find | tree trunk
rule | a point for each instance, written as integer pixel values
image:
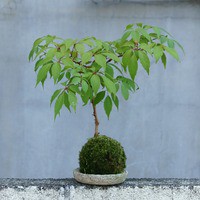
(96, 121)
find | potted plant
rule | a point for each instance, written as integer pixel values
(95, 71)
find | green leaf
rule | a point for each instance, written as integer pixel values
(41, 62)
(170, 43)
(156, 30)
(74, 54)
(172, 52)
(144, 33)
(147, 27)
(58, 105)
(106, 45)
(75, 80)
(30, 56)
(86, 57)
(68, 75)
(75, 88)
(51, 53)
(158, 52)
(68, 43)
(49, 39)
(117, 68)
(68, 62)
(80, 48)
(133, 66)
(95, 83)
(163, 39)
(109, 85)
(66, 101)
(43, 73)
(164, 60)
(55, 94)
(134, 86)
(87, 75)
(84, 86)
(146, 47)
(37, 65)
(129, 26)
(38, 41)
(139, 24)
(60, 77)
(154, 36)
(99, 97)
(124, 90)
(72, 100)
(135, 36)
(63, 49)
(40, 50)
(88, 42)
(100, 60)
(58, 55)
(56, 69)
(108, 106)
(144, 60)
(125, 36)
(109, 72)
(86, 96)
(126, 57)
(98, 43)
(115, 100)
(112, 56)
(117, 87)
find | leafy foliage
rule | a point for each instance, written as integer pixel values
(102, 155)
(97, 70)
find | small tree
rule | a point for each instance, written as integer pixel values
(97, 70)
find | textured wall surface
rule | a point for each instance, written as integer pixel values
(159, 125)
(142, 189)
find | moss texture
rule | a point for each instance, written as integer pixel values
(102, 155)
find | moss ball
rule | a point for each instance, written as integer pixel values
(102, 155)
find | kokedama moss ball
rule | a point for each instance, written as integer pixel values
(102, 155)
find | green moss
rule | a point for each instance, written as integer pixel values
(102, 155)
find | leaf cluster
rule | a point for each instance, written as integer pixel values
(97, 71)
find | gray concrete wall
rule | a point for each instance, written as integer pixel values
(159, 125)
(68, 189)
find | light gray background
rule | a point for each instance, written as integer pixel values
(159, 126)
